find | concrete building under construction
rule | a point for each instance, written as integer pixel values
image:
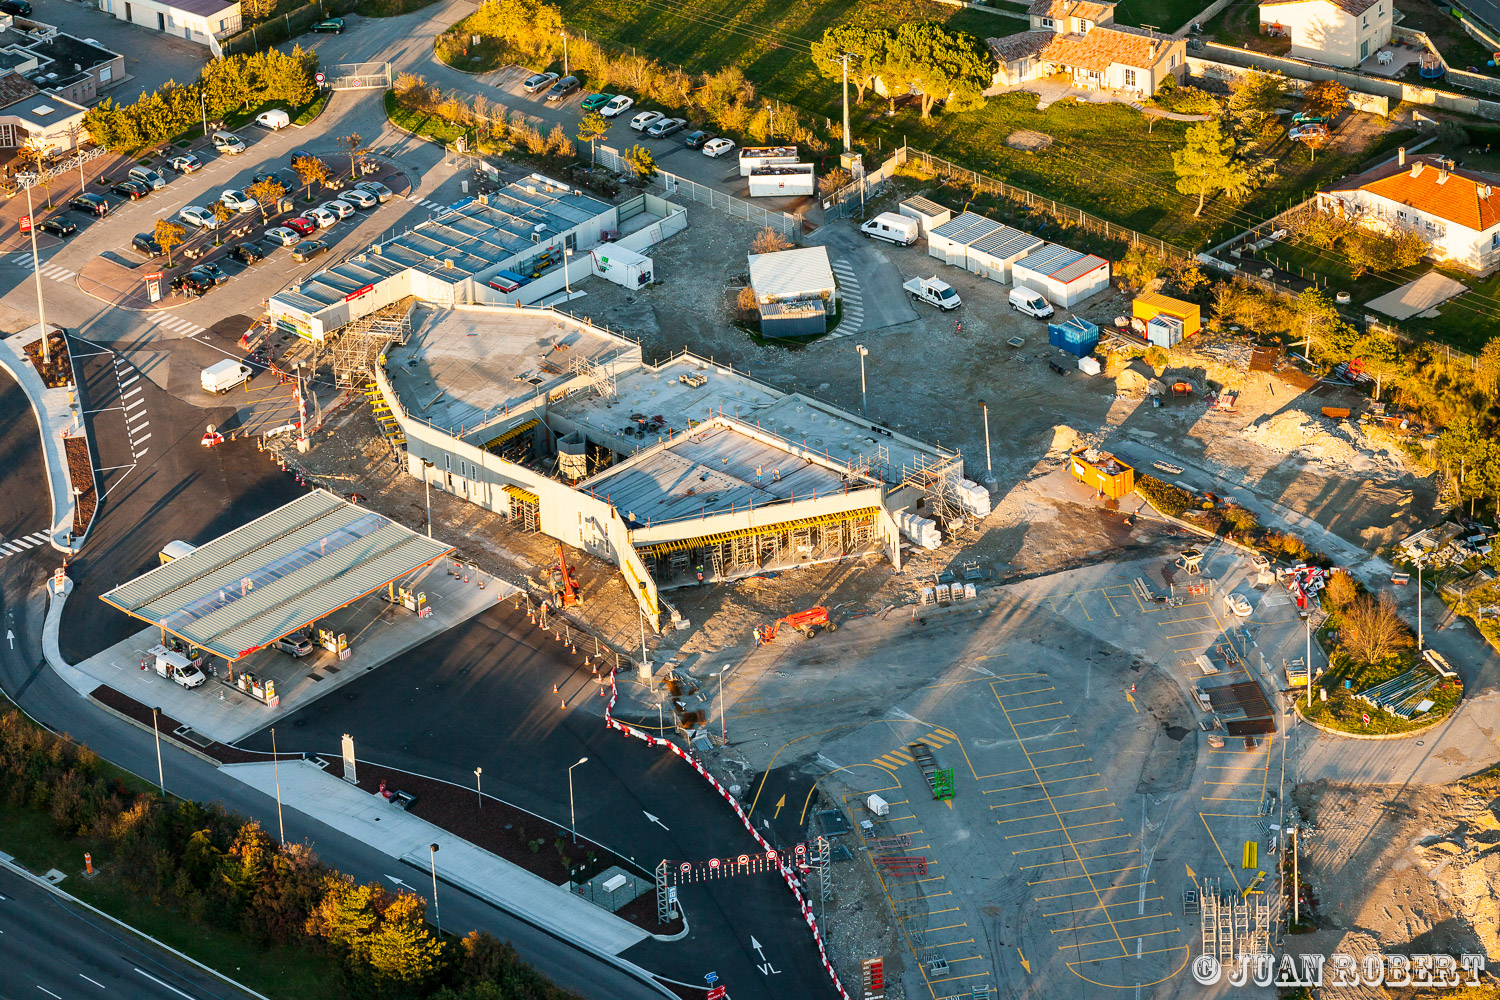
(676, 472)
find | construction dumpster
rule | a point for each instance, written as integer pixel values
(1075, 335)
(1102, 472)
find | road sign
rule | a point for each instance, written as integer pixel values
(717, 993)
(25, 223)
(153, 286)
(710, 978)
(320, 78)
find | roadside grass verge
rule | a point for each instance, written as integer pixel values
(421, 123)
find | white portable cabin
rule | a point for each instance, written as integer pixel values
(1066, 277)
(755, 157)
(950, 242)
(929, 214)
(782, 180)
(992, 256)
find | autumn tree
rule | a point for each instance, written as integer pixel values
(867, 48)
(1340, 591)
(938, 65)
(558, 143)
(640, 161)
(1372, 628)
(1326, 98)
(256, 11)
(402, 948)
(267, 192)
(591, 128)
(168, 234)
(312, 171)
(769, 240)
(222, 213)
(352, 144)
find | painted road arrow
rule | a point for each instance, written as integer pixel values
(1024, 964)
(779, 803)
(653, 819)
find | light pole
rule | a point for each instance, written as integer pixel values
(1307, 622)
(985, 408)
(276, 769)
(427, 482)
(478, 789)
(437, 914)
(863, 353)
(1419, 607)
(723, 730)
(572, 816)
(845, 60)
(155, 728)
(770, 121)
(36, 265)
(564, 34)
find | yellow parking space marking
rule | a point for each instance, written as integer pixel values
(951, 979)
(1184, 635)
(1065, 795)
(1064, 878)
(934, 878)
(950, 927)
(1079, 843)
(935, 741)
(1095, 892)
(889, 760)
(1090, 944)
(1121, 920)
(1195, 618)
(1091, 909)
(1051, 718)
(1022, 694)
(1043, 704)
(900, 755)
(1226, 798)
(913, 899)
(1065, 828)
(1038, 784)
(951, 909)
(1048, 736)
(1091, 857)
(950, 944)
(1074, 746)
(1245, 784)
(1061, 812)
(966, 958)
(900, 819)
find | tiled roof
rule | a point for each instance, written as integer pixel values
(1104, 46)
(1019, 46)
(15, 87)
(1351, 7)
(1457, 197)
(1071, 8)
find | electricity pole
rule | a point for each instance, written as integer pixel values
(844, 59)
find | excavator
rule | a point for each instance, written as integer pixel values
(563, 584)
(807, 622)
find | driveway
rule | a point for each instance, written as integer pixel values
(151, 57)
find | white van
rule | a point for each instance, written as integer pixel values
(148, 177)
(273, 120)
(893, 228)
(224, 375)
(177, 667)
(1024, 300)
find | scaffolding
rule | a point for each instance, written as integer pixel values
(732, 554)
(938, 479)
(601, 377)
(359, 346)
(1233, 925)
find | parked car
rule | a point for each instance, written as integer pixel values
(89, 204)
(247, 253)
(320, 217)
(697, 140)
(148, 177)
(59, 227)
(213, 272)
(665, 127)
(562, 88)
(185, 163)
(594, 102)
(239, 201)
(198, 217)
(298, 154)
(617, 105)
(332, 26)
(192, 283)
(145, 243)
(359, 198)
(284, 236)
(717, 147)
(338, 207)
(645, 120)
(537, 81)
(308, 250)
(20, 8)
(1312, 130)
(132, 190)
(379, 190)
(295, 645)
(228, 142)
(299, 225)
(273, 120)
(1309, 118)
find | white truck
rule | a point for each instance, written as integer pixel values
(933, 291)
(224, 375)
(177, 668)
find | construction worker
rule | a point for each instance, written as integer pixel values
(700, 574)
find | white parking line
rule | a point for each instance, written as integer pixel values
(132, 380)
(136, 441)
(133, 404)
(132, 392)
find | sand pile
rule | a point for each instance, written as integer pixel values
(1064, 438)
(1294, 433)
(1131, 382)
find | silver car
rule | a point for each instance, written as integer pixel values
(359, 198)
(376, 188)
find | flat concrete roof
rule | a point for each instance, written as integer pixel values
(715, 470)
(465, 365)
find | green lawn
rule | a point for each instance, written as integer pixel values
(1239, 25)
(1166, 15)
(420, 122)
(1342, 710)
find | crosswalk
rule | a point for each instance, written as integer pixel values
(900, 758)
(132, 399)
(854, 309)
(18, 545)
(176, 324)
(430, 205)
(52, 271)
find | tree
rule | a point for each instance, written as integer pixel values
(867, 46)
(256, 11)
(32, 158)
(1452, 134)
(267, 192)
(591, 128)
(1340, 591)
(402, 948)
(353, 145)
(168, 234)
(639, 159)
(1207, 164)
(312, 171)
(769, 240)
(1372, 629)
(558, 143)
(1139, 267)
(346, 913)
(1250, 113)
(835, 179)
(938, 65)
(1326, 97)
(1314, 141)
(1314, 317)
(222, 213)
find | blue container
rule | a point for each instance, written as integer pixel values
(1077, 336)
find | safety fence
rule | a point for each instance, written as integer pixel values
(359, 76)
(681, 189)
(850, 198)
(283, 28)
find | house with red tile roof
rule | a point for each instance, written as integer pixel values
(1098, 56)
(1336, 32)
(1457, 211)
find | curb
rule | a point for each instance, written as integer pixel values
(46, 462)
(1376, 737)
(88, 441)
(165, 736)
(17, 869)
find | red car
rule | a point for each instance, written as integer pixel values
(302, 226)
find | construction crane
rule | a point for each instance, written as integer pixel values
(807, 622)
(563, 584)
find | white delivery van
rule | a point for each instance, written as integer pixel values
(1032, 303)
(894, 228)
(224, 375)
(177, 667)
(273, 120)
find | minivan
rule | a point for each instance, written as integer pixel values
(1032, 303)
(294, 645)
(148, 177)
(893, 228)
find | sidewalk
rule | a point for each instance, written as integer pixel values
(370, 819)
(57, 415)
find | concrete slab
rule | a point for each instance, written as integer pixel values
(370, 819)
(1418, 296)
(377, 631)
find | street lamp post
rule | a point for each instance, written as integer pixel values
(276, 769)
(437, 914)
(1307, 622)
(161, 781)
(723, 730)
(863, 353)
(845, 60)
(564, 34)
(36, 267)
(984, 407)
(1419, 606)
(770, 121)
(478, 789)
(427, 482)
(573, 816)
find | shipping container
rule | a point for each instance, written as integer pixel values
(755, 157)
(783, 180)
(950, 242)
(1075, 335)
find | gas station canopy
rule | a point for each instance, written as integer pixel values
(275, 575)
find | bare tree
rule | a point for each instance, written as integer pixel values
(1372, 629)
(769, 240)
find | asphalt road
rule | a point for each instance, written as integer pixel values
(481, 695)
(49, 947)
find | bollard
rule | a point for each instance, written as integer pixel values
(88, 863)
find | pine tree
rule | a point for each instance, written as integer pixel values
(402, 948)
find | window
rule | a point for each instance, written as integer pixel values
(1365, 22)
(1495, 241)
(1047, 22)
(1173, 63)
(1130, 78)
(1400, 215)
(105, 74)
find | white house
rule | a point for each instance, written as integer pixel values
(1336, 32)
(195, 20)
(1079, 38)
(1456, 211)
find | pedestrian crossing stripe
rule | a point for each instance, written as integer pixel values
(897, 758)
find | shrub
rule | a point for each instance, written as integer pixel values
(1170, 500)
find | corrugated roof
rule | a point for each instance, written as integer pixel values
(919, 204)
(1049, 259)
(966, 228)
(791, 274)
(279, 573)
(1084, 265)
(1006, 243)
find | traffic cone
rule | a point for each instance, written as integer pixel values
(554, 689)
